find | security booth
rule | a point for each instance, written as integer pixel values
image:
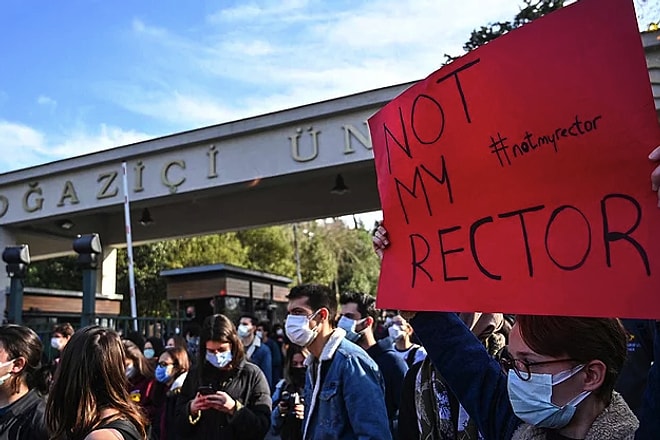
(222, 288)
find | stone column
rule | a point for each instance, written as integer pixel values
(107, 282)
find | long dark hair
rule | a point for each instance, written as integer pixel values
(219, 328)
(19, 341)
(141, 364)
(288, 360)
(90, 378)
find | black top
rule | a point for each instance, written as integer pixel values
(393, 369)
(124, 427)
(246, 384)
(24, 419)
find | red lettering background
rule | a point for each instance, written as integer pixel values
(561, 224)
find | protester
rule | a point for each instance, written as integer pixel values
(401, 333)
(264, 332)
(22, 385)
(191, 332)
(176, 341)
(60, 336)
(153, 348)
(224, 397)
(58, 339)
(344, 393)
(649, 421)
(171, 372)
(141, 380)
(288, 403)
(429, 410)
(136, 338)
(358, 317)
(255, 352)
(633, 378)
(89, 398)
(559, 376)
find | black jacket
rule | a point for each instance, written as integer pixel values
(247, 384)
(24, 419)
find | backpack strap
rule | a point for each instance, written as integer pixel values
(410, 357)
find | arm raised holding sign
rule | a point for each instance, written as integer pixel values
(655, 175)
(559, 374)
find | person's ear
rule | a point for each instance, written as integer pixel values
(595, 372)
(19, 365)
(367, 323)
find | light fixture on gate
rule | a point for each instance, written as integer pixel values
(146, 219)
(66, 224)
(340, 187)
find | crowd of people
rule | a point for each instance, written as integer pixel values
(338, 368)
(347, 370)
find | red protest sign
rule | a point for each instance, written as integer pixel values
(515, 179)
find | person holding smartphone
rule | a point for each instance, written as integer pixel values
(224, 397)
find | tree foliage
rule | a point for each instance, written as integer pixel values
(330, 253)
(530, 11)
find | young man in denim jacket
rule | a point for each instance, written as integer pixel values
(344, 392)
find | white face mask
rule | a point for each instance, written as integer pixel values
(56, 343)
(298, 331)
(532, 399)
(243, 331)
(6, 377)
(260, 334)
(395, 332)
(219, 360)
(349, 325)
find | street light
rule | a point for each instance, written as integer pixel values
(18, 260)
(88, 248)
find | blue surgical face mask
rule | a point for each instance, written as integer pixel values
(348, 325)
(532, 399)
(149, 353)
(162, 374)
(220, 359)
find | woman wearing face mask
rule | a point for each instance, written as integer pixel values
(288, 406)
(153, 348)
(556, 382)
(141, 381)
(58, 339)
(224, 397)
(22, 383)
(171, 372)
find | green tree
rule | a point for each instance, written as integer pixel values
(57, 273)
(530, 11)
(270, 249)
(318, 263)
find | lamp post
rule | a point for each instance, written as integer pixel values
(88, 248)
(18, 260)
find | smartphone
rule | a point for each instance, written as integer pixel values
(205, 390)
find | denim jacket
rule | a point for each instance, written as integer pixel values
(350, 402)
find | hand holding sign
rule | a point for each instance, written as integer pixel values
(655, 175)
(511, 180)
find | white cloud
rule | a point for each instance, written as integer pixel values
(261, 10)
(46, 101)
(25, 146)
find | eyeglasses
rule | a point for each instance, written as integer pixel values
(522, 368)
(164, 364)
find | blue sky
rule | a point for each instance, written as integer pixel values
(82, 76)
